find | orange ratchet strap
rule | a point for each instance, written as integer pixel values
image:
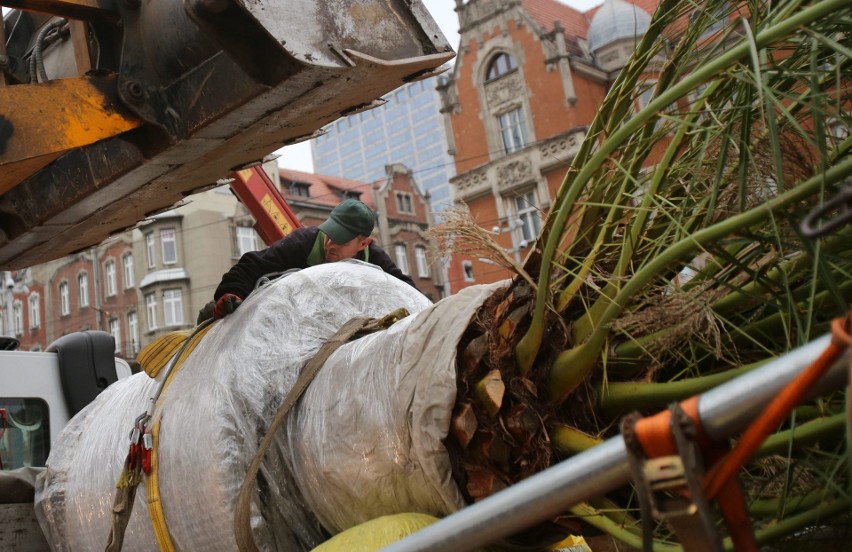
(668, 451)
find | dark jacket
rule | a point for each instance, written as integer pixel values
(291, 251)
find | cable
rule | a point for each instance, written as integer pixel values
(37, 56)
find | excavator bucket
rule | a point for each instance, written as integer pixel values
(113, 111)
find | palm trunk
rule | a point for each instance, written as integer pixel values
(744, 123)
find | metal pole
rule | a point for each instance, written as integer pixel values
(729, 408)
(9, 304)
(724, 411)
(96, 277)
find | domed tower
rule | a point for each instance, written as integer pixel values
(615, 30)
(518, 103)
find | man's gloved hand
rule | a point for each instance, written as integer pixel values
(226, 304)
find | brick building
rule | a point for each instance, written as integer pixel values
(91, 290)
(155, 278)
(137, 284)
(402, 209)
(528, 80)
(404, 215)
(118, 309)
(94, 290)
(23, 310)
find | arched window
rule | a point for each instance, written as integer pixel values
(127, 261)
(500, 65)
(35, 310)
(109, 270)
(64, 299)
(83, 286)
(18, 318)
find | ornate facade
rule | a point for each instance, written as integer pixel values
(517, 105)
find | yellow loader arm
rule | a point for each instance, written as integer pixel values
(112, 110)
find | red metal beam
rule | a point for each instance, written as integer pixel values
(274, 218)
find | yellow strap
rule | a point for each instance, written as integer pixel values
(158, 353)
(155, 506)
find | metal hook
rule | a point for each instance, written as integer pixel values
(842, 202)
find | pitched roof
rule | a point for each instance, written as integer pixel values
(575, 23)
(324, 190)
(545, 12)
(649, 6)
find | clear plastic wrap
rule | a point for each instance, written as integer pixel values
(364, 441)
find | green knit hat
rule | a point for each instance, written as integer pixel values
(349, 219)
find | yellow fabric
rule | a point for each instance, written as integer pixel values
(155, 506)
(157, 354)
(376, 533)
(153, 358)
(571, 544)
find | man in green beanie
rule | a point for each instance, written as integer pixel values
(345, 235)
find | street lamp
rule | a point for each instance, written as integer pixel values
(513, 224)
(8, 303)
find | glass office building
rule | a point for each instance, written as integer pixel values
(408, 129)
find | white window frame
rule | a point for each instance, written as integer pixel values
(401, 253)
(168, 235)
(500, 69)
(513, 129)
(529, 220)
(150, 249)
(83, 289)
(172, 307)
(404, 203)
(421, 261)
(18, 317)
(246, 240)
(151, 310)
(467, 267)
(132, 334)
(109, 278)
(115, 331)
(300, 189)
(64, 299)
(127, 265)
(35, 310)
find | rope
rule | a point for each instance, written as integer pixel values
(354, 328)
(122, 505)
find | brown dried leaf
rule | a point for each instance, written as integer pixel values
(482, 483)
(463, 425)
(489, 392)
